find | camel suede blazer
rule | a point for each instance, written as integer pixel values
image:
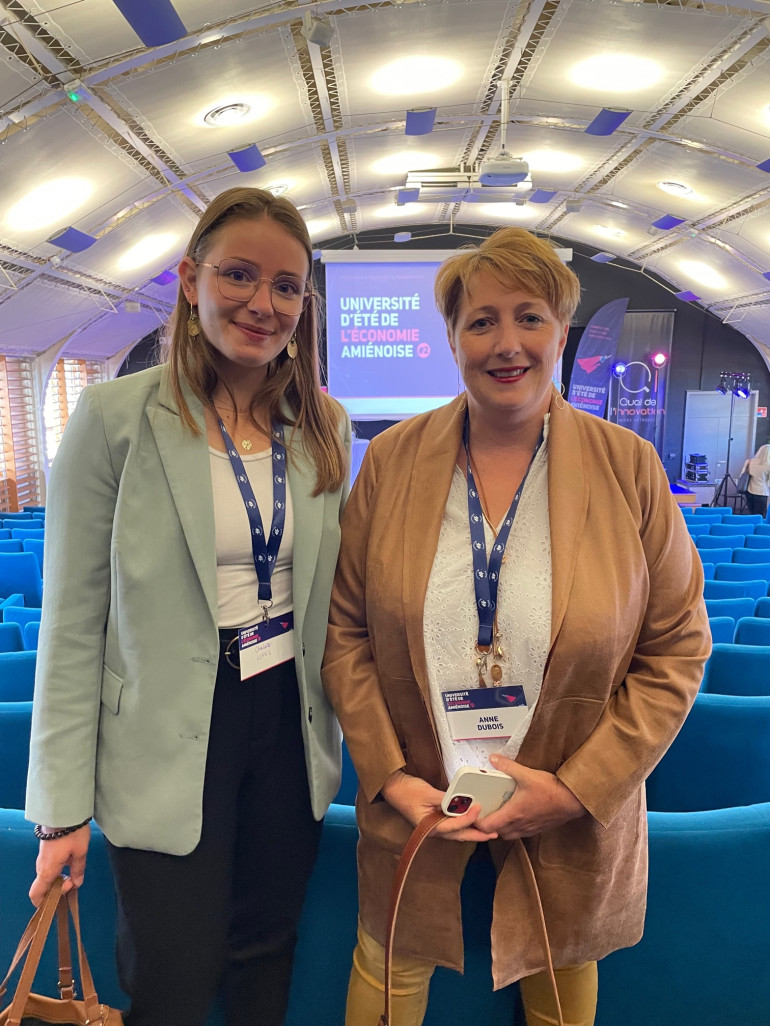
(629, 639)
(129, 644)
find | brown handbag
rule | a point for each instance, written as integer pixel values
(421, 832)
(27, 1009)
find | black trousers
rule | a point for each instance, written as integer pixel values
(224, 917)
(756, 503)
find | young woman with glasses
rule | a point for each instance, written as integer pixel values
(193, 519)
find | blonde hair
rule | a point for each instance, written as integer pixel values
(516, 258)
(296, 383)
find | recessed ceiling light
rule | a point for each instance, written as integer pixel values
(279, 188)
(702, 273)
(50, 203)
(403, 161)
(411, 75)
(609, 231)
(616, 72)
(553, 160)
(617, 203)
(148, 251)
(229, 114)
(675, 188)
(503, 211)
(234, 110)
(319, 226)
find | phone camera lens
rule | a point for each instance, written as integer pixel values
(459, 804)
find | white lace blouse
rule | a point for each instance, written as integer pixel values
(450, 620)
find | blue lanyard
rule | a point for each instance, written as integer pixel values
(486, 573)
(265, 551)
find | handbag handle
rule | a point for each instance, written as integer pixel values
(420, 833)
(34, 938)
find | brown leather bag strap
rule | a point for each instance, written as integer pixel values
(90, 998)
(65, 983)
(24, 943)
(47, 913)
(421, 832)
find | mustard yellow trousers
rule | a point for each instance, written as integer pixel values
(577, 986)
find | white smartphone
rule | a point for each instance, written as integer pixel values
(473, 786)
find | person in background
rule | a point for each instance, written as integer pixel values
(502, 547)
(758, 468)
(192, 533)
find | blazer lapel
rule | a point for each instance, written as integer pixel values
(185, 460)
(308, 524)
(568, 492)
(431, 479)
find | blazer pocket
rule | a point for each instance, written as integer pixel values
(112, 686)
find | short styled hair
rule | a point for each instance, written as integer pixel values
(517, 259)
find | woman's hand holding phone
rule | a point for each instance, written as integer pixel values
(415, 799)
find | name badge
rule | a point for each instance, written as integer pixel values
(264, 645)
(480, 714)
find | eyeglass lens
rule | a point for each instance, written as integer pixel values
(240, 280)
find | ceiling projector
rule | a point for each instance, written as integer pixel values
(503, 169)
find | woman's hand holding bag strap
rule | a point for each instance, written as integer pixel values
(420, 833)
(32, 1009)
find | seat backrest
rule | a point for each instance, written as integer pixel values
(742, 572)
(751, 630)
(725, 529)
(5, 534)
(722, 629)
(712, 541)
(19, 572)
(757, 541)
(750, 518)
(11, 545)
(698, 528)
(710, 512)
(15, 725)
(738, 670)
(35, 546)
(762, 608)
(716, 555)
(723, 589)
(27, 532)
(708, 571)
(751, 555)
(719, 759)
(31, 632)
(763, 530)
(20, 614)
(17, 676)
(11, 638)
(732, 607)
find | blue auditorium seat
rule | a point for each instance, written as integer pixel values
(733, 607)
(763, 530)
(725, 529)
(15, 725)
(11, 545)
(715, 556)
(17, 676)
(752, 630)
(737, 670)
(5, 534)
(710, 541)
(31, 632)
(11, 638)
(748, 556)
(25, 532)
(35, 546)
(722, 629)
(703, 958)
(19, 572)
(747, 571)
(713, 512)
(757, 541)
(733, 589)
(762, 608)
(708, 571)
(719, 759)
(698, 529)
(20, 614)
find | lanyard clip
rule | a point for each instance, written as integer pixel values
(266, 611)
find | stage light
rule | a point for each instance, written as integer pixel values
(619, 368)
(737, 382)
(659, 360)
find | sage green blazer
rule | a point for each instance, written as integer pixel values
(128, 646)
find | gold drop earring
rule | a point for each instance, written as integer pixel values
(193, 324)
(292, 348)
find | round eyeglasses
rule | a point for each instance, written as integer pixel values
(239, 281)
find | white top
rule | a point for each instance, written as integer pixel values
(759, 471)
(237, 582)
(450, 620)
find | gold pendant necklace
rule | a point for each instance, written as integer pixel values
(246, 444)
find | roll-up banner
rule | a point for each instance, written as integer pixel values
(590, 381)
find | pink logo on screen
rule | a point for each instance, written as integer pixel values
(590, 363)
(423, 350)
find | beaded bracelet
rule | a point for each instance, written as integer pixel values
(56, 834)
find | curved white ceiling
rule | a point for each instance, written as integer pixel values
(135, 134)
